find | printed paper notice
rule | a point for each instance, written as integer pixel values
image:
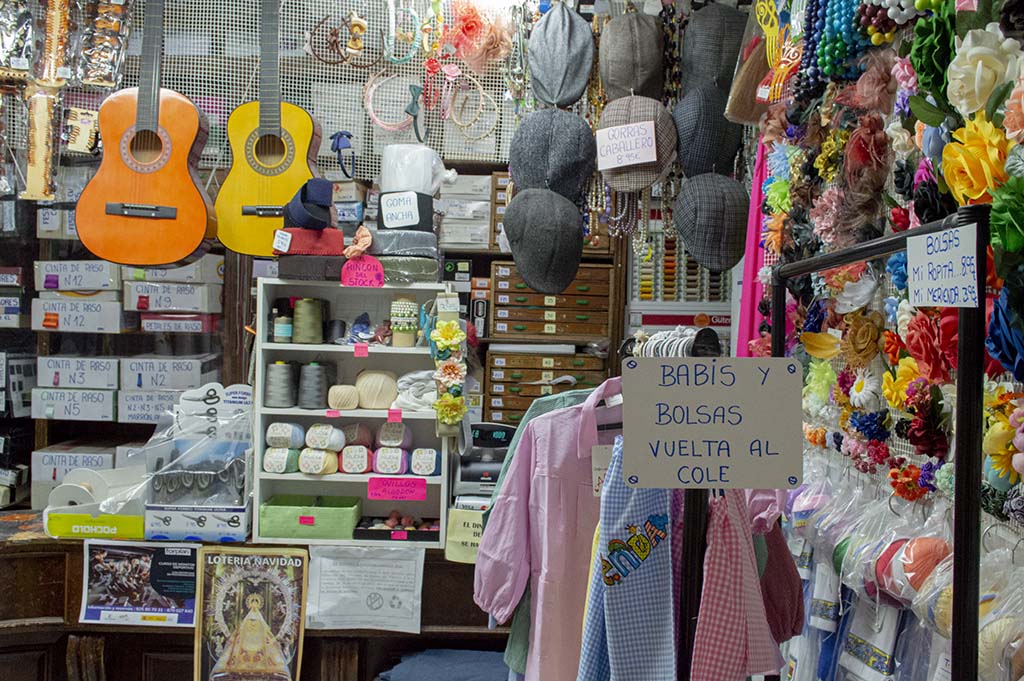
(626, 145)
(942, 268)
(365, 588)
(712, 423)
(463, 540)
(139, 584)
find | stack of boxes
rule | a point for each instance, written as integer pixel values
(467, 208)
(499, 201)
(82, 296)
(13, 300)
(178, 299)
(350, 206)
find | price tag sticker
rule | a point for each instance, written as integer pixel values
(548, 362)
(399, 535)
(549, 328)
(282, 240)
(307, 520)
(600, 460)
(19, 63)
(64, 72)
(361, 350)
(448, 304)
(549, 300)
(394, 415)
(333, 414)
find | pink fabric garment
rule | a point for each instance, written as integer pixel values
(765, 507)
(733, 640)
(542, 530)
(752, 291)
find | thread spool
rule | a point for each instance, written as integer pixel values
(283, 328)
(325, 436)
(313, 386)
(336, 330)
(70, 494)
(308, 321)
(279, 390)
(286, 435)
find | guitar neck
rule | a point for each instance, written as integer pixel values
(270, 72)
(148, 115)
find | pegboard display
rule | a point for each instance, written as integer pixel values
(211, 54)
(668, 274)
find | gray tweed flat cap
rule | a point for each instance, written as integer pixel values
(544, 230)
(627, 110)
(710, 47)
(560, 54)
(631, 57)
(711, 218)
(553, 149)
(707, 141)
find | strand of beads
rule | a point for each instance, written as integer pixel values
(841, 42)
(814, 26)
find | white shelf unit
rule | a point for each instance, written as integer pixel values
(345, 303)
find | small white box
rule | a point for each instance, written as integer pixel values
(163, 372)
(473, 233)
(267, 269)
(150, 297)
(77, 275)
(209, 269)
(464, 209)
(71, 404)
(58, 371)
(472, 186)
(93, 296)
(49, 465)
(145, 406)
(87, 316)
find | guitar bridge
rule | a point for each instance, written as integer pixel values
(138, 210)
(263, 211)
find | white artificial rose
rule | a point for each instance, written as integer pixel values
(984, 60)
(902, 141)
(904, 313)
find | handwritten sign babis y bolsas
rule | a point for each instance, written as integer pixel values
(712, 423)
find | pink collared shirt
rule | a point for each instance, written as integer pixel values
(542, 530)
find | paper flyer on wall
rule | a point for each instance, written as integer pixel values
(366, 588)
(251, 613)
(141, 584)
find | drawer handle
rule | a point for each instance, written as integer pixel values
(519, 327)
(520, 299)
(516, 374)
(579, 377)
(578, 362)
(583, 288)
(582, 317)
(582, 301)
(515, 389)
(520, 285)
(515, 417)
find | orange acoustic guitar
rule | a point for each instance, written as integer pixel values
(145, 205)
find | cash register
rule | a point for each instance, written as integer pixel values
(481, 462)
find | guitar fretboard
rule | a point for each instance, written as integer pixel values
(270, 72)
(148, 115)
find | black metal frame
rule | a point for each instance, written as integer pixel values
(969, 413)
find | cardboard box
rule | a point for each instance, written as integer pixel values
(50, 464)
(480, 294)
(465, 233)
(73, 404)
(77, 275)
(464, 209)
(86, 316)
(227, 524)
(145, 406)
(13, 301)
(12, 276)
(95, 296)
(60, 371)
(164, 322)
(17, 379)
(150, 297)
(483, 283)
(472, 186)
(349, 191)
(14, 321)
(163, 372)
(209, 269)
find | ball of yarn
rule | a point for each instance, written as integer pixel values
(942, 611)
(377, 389)
(992, 501)
(839, 554)
(992, 475)
(919, 558)
(343, 397)
(1014, 505)
(992, 640)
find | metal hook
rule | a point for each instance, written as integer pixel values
(984, 536)
(891, 498)
(1013, 551)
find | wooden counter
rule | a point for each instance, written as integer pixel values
(41, 639)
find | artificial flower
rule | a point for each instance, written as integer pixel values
(894, 384)
(904, 313)
(949, 337)
(891, 305)
(993, 501)
(997, 438)
(930, 204)
(777, 196)
(779, 162)
(975, 162)
(844, 381)
(878, 452)
(1007, 224)
(450, 373)
(927, 477)
(945, 481)
(857, 451)
(1005, 340)
(923, 345)
(775, 238)
(838, 277)
(817, 386)
(927, 438)
(825, 218)
(448, 335)
(1013, 116)
(985, 59)
(905, 484)
(830, 158)
(901, 140)
(933, 47)
(948, 391)
(1015, 162)
(857, 294)
(866, 392)
(773, 124)
(761, 346)
(450, 409)
(872, 426)
(899, 219)
(863, 332)
(896, 266)
(815, 316)
(765, 275)
(903, 72)
(892, 346)
(820, 345)
(1014, 505)
(934, 140)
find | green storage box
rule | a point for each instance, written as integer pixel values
(300, 516)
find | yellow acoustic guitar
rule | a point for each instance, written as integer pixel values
(273, 149)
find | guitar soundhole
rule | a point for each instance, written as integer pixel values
(146, 147)
(270, 150)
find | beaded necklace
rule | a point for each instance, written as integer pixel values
(814, 25)
(841, 42)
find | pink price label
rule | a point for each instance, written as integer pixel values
(399, 535)
(307, 520)
(333, 414)
(394, 415)
(397, 489)
(361, 350)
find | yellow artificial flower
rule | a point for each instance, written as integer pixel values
(975, 162)
(820, 345)
(450, 409)
(448, 335)
(1002, 463)
(894, 387)
(997, 438)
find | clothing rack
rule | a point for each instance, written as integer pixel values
(969, 412)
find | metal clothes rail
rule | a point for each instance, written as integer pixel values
(969, 412)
